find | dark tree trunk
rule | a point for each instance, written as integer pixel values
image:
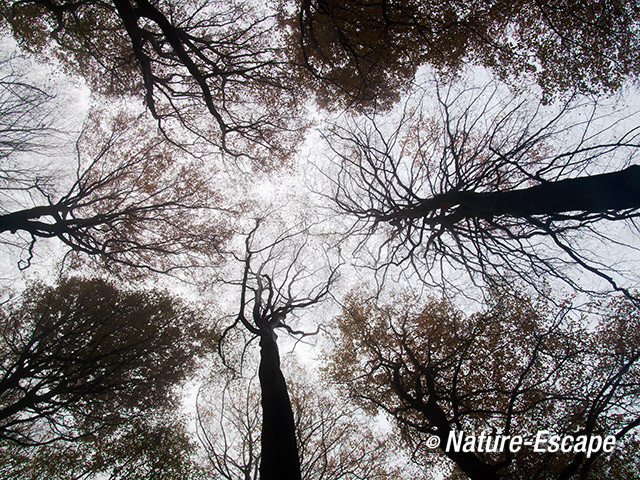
(27, 220)
(279, 449)
(468, 462)
(609, 192)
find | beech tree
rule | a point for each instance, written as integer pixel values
(133, 201)
(84, 356)
(213, 68)
(334, 440)
(517, 367)
(279, 278)
(493, 185)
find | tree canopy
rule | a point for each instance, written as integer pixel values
(213, 68)
(151, 446)
(517, 367)
(494, 184)
(84, 355)
(369, 48)
(119, 205)
(201, 115)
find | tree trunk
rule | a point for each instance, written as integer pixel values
(609, 192)
(279, 458)
(468, 462)
(27, 220)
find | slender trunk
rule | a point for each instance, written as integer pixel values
(609, 192)
(279, 458)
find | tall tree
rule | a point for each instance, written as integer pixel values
(84, 356)
(133, 200)
(492, 184)
(214, 68)
(279, 278)
(335, 440)
(520, 366)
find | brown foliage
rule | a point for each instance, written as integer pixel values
(372, 49)
(136, 201)
(519, 366)
(84, 356)
(214, 68)
(151, 446)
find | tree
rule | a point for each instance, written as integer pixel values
(334, 441)
(517, 367)
(372, 49)
(28, 122)
(133, 201)
(278, 279)
(85, 356)
(223, 60)
(493, 185)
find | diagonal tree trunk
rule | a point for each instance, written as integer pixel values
(609, 192)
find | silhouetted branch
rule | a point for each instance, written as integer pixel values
(496, 187)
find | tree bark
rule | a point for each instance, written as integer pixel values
(609, 192)
(279, 460)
